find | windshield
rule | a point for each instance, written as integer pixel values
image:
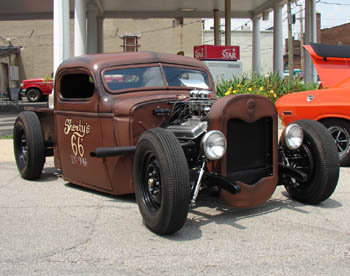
(151, 76)
(186, 77)
(133, 78)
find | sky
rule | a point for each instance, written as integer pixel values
(333, 13)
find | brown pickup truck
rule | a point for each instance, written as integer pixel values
(150, 124)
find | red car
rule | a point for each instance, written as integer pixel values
(329, 106)
(36, 89)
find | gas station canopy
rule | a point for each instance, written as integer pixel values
(92, 11)
(38, 9)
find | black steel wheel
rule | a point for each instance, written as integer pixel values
(318, 158)
(340, 131)
(34, 95)
(29, 146)
(161, 181)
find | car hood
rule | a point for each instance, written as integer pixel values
(32, 80)
(332, 64)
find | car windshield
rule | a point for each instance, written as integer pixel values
(176, 76)
(151, 76)
(134, 78)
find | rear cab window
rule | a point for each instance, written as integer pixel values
(77, 86)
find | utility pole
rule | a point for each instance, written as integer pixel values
(290, 40)
(301, 18)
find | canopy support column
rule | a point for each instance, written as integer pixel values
(277, 39)
(80, 27)
(256, 44)
(228, 22)
(217, 38)
(100, 36)
(92, 29)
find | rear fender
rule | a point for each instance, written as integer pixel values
(332, 116)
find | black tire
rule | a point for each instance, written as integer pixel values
(34, 95)
(29, 146)
(161, 181)
(318, 158)
(340, 131)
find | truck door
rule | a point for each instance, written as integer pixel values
(78, 129)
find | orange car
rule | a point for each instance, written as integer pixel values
(329, 106)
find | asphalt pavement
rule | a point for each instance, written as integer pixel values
(9, 112)
(52, 227)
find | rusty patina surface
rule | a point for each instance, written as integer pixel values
(112, 119)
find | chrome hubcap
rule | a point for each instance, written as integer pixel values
(341, 138)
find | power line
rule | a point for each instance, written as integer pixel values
(331, 3)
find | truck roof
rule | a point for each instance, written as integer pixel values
(129, 58)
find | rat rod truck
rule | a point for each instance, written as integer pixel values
(150, 124)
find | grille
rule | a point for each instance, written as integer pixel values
(249, 150)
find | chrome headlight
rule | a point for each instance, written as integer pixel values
(214, 144)
(293, 136)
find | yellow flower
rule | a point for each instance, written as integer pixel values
(261, 88)
(271, 91)
(274, 95)
(228, 92)
(249, 89)
(234, 91)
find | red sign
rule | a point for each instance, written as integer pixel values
(204, 52)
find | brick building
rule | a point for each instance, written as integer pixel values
(336, 35)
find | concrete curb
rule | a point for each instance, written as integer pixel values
(6, 151)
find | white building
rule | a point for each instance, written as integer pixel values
(243, 39)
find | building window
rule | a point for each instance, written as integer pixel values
(178, 21)
(130, 43)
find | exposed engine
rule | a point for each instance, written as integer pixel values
(188, 119)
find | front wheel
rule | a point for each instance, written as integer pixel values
(161, 181)
(29, 146)
(318, 159)
(33, 95)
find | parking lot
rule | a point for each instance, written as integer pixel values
(51, 227)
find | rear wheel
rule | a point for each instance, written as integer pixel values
(340, 131)
(161, 181)
(318, 159)
(29, 146)
(33, 95)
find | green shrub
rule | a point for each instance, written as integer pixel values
(271, 86)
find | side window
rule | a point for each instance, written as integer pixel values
(77, 86)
